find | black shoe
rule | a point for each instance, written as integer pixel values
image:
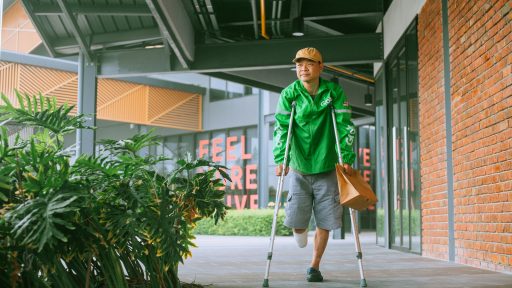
(314, 275)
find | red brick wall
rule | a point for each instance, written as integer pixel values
(481, 91)
(481, 88)
(432, 132)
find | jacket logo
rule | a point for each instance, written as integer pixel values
(350, 137)
(326, 102)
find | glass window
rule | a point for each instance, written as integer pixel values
(169, 149)
(235, 190)
(186, 146)
(218, 147)
(217, 89)
(251, 166)
(381, 178)
(223, 90)
(203, 146)
(403, 144)
(366, 166)
(236, 148)
(235, 90)
(248, 91)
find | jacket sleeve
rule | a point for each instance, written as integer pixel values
(346, 129)
(282, 117)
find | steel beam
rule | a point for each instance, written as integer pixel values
(97, 10)
(175, 27)
(338, 50)
(106, 40)
(36, 60)
(255, 55)
(342, 16)
(322, 28)
(135, 62)
(356, 8)
(35, 20)
(75, 29)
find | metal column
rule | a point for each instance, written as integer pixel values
(263, 150)
(86, 104)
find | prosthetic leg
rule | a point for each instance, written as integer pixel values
(278, 197)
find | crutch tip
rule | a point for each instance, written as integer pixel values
(363, 283)
(265, 283)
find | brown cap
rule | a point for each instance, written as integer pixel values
(308, 53)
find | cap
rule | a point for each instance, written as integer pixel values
(308, 53)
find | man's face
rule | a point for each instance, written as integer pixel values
(308, 70)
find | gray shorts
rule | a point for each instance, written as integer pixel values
(317, 193)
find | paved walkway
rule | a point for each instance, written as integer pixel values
(239, 262)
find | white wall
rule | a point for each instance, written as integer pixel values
(185, 78)
(230, 113)
(398, 17)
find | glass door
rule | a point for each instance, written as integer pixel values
(413, 141)
(403, 146)
(396, 95)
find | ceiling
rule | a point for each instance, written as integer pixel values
(216, 37)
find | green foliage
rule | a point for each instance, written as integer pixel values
(415, 224)
(245, 223)
(103, 221)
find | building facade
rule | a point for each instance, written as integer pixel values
(436, 144)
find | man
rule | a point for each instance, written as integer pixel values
(313, 184)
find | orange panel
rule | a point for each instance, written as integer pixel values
(18, 32)
(35, 80)
(185, 116)
(161, 101)
(15, 16)
(117, 100)
(9, 79)
(129, 108)
(111, 90)
(67, 93)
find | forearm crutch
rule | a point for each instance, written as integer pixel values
(278, 196)
(355, 229)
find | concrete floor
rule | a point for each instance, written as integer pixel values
(238, 262)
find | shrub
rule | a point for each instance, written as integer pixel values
(245, 223)
(104, 221)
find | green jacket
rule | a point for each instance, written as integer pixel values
(313, 146)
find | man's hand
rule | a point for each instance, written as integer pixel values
(348, 169)
(279, 170)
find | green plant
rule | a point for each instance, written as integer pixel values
(415, 223)
(105, 221)
(245, 223)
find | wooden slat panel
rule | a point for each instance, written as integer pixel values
(109, 90)
(35, 80)
(18, 33)
(9, 79)
(161, 101)
(117, 100)
(67, 93)
(129, 108)
(186, 116)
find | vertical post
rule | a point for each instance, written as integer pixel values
(143, 129)
(448, 126)
(86, 104)
(263, 150)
